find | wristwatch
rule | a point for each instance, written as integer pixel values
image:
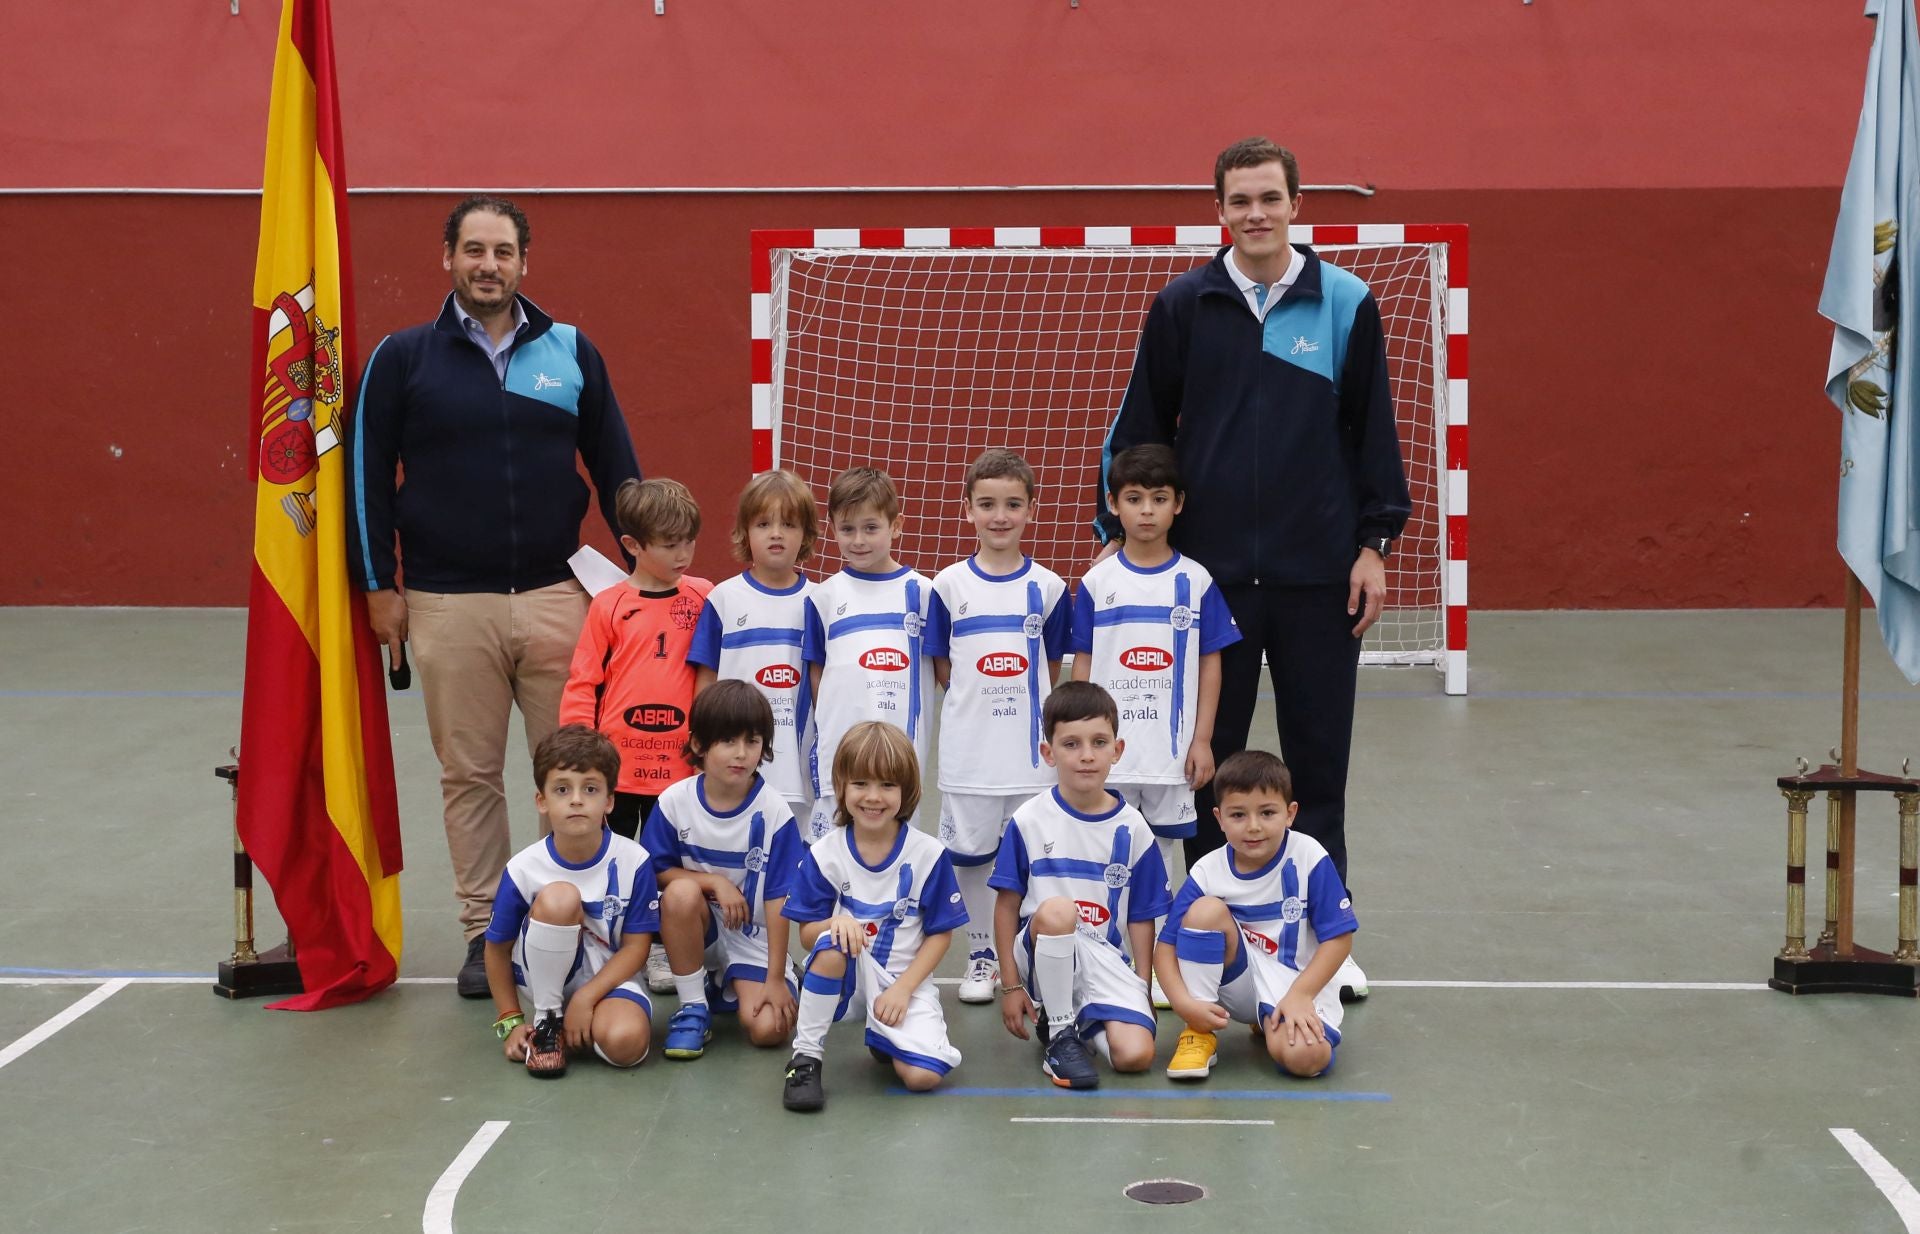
(504, 1026)
(1382, 545)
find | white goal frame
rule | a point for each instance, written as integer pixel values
(774, 250)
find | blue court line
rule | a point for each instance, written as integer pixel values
(1148, 1094)
(103, 974)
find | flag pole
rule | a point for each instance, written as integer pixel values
(1849, 768)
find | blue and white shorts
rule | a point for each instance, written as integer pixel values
(1105, 986)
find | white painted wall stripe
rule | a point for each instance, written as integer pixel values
(60, 1021)
(1892, 1183)
(438, 1217)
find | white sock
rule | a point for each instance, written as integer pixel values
(979, 900)
(550, 953)
(691, 987)
(1203, 960)
(1053, 956)
(819, 998)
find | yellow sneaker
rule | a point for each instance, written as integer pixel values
(1192, 1057)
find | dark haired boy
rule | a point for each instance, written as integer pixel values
(724, 848)
(572, 920)
(1080, 883)
(1258, 930)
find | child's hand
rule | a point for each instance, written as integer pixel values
(1199, 764)
(578, 1026)
(774, 995)
(1302, 1022)
(849, 935)
(1017, 1011)
(517, 1043)
(891, 1006)
(732, 906)
(1211, 1017)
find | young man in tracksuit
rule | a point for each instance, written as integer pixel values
(485, 409)
(1265, 370)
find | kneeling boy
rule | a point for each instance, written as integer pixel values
(1258, 930)
(1080, 882)
(573, 918)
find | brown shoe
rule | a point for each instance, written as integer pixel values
(546, 1052)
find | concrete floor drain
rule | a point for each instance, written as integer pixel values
(1165, 1191)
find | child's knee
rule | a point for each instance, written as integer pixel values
(765, 1032)
(1058, 915)
(1209, 913)
(557, 903)
(828, 961)
(682, 897)
(917, 1079)
(622, 1040)
(1304, 1060)
(1132, 1052)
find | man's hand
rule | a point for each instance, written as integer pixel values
(387, 614)
(1366, 585)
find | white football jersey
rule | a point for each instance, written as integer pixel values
(999, 632)
(1146, 631)
(1286, 909)
(750, 633)
(618, 894)
(906, 897)
(755, 845)
(868, 633)
(1107, 864)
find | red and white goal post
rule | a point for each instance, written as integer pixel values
(914, 349)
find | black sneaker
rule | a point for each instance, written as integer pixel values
(803, 1092)
(472, 981)
(546, 1052)
(1066, 1062)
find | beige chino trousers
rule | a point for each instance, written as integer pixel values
(479, 655)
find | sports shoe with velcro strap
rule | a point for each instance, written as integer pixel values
(1066, 1063)
(803, 1089)
(689, 1031)
(1193, 1056)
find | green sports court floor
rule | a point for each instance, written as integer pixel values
(1569, 887)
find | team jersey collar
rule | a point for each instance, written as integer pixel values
(799, 582)
(1218, 280)
(606, 841)
(1119, 804)
(1162, 568)
(893, 854)
(864, 577)
(1279, 854)
(700, 791)
(1026, 563)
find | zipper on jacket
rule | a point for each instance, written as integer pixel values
(513, 518)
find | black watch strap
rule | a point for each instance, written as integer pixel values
(1382, 545)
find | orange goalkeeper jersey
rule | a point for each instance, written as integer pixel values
(631, 680)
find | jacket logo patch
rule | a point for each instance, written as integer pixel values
(543, 382)
(1301, 343)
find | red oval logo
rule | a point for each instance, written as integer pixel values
(778, 676)
(1003, 664)
(885, 660)
(1261, 941)
(1146, 659)
(1092, 914)
(655, 717)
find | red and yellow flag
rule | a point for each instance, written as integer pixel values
(317, 810)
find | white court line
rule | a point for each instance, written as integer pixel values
(1696, 986)
(438, 1217)
(1158, 1122)
(60, 1021)
(1892, 1183)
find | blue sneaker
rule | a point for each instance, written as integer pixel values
(689, 1031)
(1066, 1062)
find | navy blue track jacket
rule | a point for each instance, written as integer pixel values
(492, 499)
(1284, 429)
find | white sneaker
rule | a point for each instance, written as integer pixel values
(1160, 1000)
(982, 972)
(1350, 981)
(659, 972)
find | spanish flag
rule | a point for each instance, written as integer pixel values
(317, 811)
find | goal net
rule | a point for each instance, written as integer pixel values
(912, 351)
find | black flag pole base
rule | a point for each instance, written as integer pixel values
(274, 972)
(1865, 972)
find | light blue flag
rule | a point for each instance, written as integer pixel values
(1874, 375)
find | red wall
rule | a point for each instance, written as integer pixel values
(1651, 188)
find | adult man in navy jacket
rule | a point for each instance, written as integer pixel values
(1266, 371)
(484, 408)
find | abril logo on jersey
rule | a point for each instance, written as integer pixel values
(1003, 664)
(1260, 940)
(1146, 659)
(655, 717)
(1092, 914)
(778, 676)
(885, 660)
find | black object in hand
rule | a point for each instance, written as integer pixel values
(400, 675)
